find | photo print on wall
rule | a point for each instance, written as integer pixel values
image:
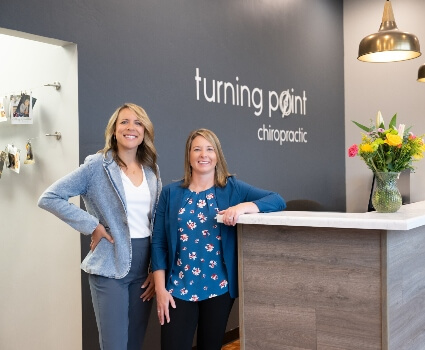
(14, 101)
(13, 161)
(23, 112)
(3, 116)
(3, 156)
(30, 155)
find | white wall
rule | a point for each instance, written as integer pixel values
(388, 87)
(40, 294)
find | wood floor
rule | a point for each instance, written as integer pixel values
(232, 346)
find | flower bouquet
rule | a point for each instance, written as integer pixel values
(387, 151)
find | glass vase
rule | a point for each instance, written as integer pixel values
(386, 197)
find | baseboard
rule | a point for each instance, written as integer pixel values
(229, 337)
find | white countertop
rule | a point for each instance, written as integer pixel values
(409, 216)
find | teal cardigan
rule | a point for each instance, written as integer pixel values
(165, 235)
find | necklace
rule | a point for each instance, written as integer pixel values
(127, 170)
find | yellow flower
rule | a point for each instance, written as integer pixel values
(367, 148)
(393, 140)
(419, 155)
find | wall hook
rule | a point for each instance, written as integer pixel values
(57, 134)
(56, 84)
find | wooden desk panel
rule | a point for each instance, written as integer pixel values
(309, 288)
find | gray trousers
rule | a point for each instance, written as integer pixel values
(121, 315)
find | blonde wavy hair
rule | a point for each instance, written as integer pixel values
(221, 173)
(146, 152)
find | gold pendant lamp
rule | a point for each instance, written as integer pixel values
(421, 74)
(389, 44)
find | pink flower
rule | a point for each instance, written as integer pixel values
(411, 136)
(353, 150)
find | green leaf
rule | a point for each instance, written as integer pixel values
(393, 122)
(365, 128)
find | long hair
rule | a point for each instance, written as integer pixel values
(221, 173)
(146, 151)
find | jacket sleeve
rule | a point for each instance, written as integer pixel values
(159, 187)
(55, 200)
(159, 247)
(266, 201)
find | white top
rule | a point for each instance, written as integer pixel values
(138, 200)
(409, 216)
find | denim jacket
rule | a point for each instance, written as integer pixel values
(98, 182)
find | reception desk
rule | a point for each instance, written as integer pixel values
(328, 281)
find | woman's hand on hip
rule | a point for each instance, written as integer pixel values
(163, 301)
(149, 284)
(99, 233)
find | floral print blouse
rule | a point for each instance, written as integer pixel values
(199, 272)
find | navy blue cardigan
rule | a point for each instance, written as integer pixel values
(165, 235)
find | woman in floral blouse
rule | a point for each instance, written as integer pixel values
(194, 257)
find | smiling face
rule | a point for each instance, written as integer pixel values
(129, 130)
(203, 158)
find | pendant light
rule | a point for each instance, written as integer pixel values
(421, 74)
(389, 44)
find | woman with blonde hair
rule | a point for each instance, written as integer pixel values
(120, 186)
(194, 257)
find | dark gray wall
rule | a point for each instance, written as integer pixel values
(147, 52)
